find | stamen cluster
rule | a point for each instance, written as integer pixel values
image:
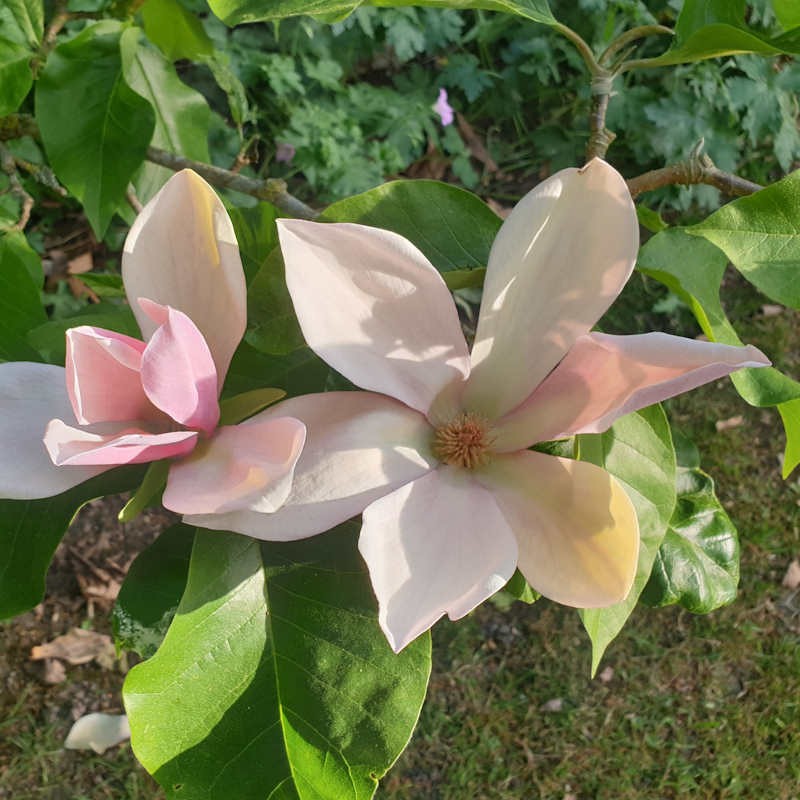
(465, 441)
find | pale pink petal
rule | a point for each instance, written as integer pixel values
(178, 372)
(30, 396)
(79, 447)
(576, 528)
(560, 259)
(374, 308)
(103, 377)
(436, 546)
(182, 252)
(242, 467)
(359, 446)
(604, 377)
(98, 732)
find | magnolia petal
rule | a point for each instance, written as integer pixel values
(126, 445)
(98, 732)
(247, 466)
(178, 372)
(436, 546)
(182, 252)
(374, 308)
(30, 396)
(559, 260)
(604, 377)
(103, 379)
(576, 528)
(359, 446)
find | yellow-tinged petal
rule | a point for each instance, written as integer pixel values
(182, 252)
(576, 528)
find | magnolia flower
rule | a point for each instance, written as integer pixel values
(435, 453)
(443, 108)
(137, 401)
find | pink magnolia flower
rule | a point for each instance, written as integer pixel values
(443, 108)
(124, 401)
(435, 453)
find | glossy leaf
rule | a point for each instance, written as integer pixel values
(234, 12)
(693, 268)
(95, 128)
(30, 531)
(21, 24)
(520, 589)
(298, 372)
(760, 234)
(714, 28)
(182, 116)
(787, 12)
(452, 227)
(274, 679)
(20, 304)
(697, 565)
(152, 590)
(638, 451)
(176, 32)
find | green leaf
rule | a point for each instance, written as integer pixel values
(240, 407)
(274, 679)
(30, 531)
(464, 278)
(520, 589)
(452, 227)
(693, 268)
(298, 372)
(790, 415)
(152, 590)
(234, 12)
(20, 35)
(698, 562)
(714, 28)
(150, 490)
(95, 128)
(760, 234)
(638, 451)
(175, 31)
(272, 325)
(182, 116)
(20, 304)
(256, 234)
(49, 339)
(104, 284)
(787, 12)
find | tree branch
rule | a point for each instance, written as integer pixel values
(697, 169)
(273, 190)
(8, 165)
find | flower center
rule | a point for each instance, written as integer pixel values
(465, 441)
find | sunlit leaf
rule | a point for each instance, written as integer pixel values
(177, 32)
(274, 679)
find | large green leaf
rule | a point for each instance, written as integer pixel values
(95, 128)
(274, 679)
(20, 304)
(760, 234)
(30, 531)
(256, 234)
(234, 12)
(182, 115)
(790, 415)
(152, 590)
(714, 28)
(698, 562)
(177, 32)
(21, 25)
(693, 268)
(638, 451)
(788, 13)
(298, 372)
(452, 227)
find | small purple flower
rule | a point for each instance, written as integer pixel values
(285, 152)
(443, 108)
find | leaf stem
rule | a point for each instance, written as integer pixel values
(633, 35)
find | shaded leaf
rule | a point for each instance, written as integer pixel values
(256, 234)
(152, 590)
(175, 31)
(20, 34)
(30, 530)
(274, 679)
(95, 128)
(698, 562)
(638, 451)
